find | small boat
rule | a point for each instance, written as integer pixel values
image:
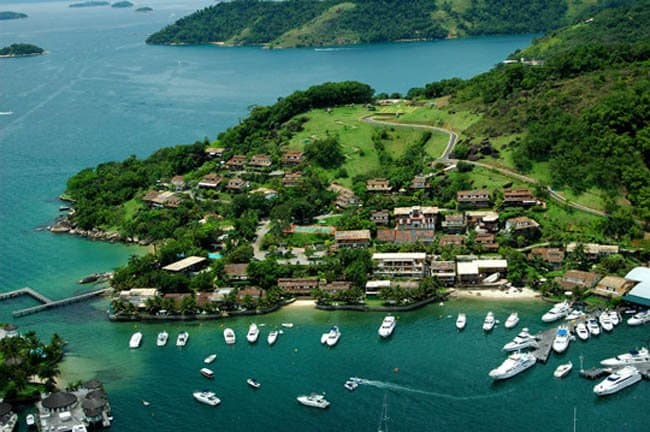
(558, 311)
(333, 336)
(287, 325)
(635, 356)
(522, 341)
(514, 364)
(253, 333)
(605, 321)
(323, 338)
(562, 339)
(30, 420)
(613, 316)
(574, 315)
(582, 331)
(387, 326)
(356, 380)
(639, 318)
(208, 373)
(229, 336)
(90, 278)
(162, 338)
(145, 402)
(489, 322)
(351, 385)
(206, 397)
(461, 321)
(209, 359)
(136, 340)
(512, 321)
(253, 383)
(182, 339)
(313, 400)
(593, 327)
(272, 337)
(563, 370)
(617, 381)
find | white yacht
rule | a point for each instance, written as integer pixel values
(387, 326)
(582, 331)
(272, 337)
(489, 322)
(461, 321)
(253, 333)
(512, 321)
(209, 359)
(206, 397)
(522, 341)
(613, 316)
(606, 322)
(182, 339)
(208, 373)
(229, 336)
(574, 315)
(620, 379)
(313, 400)
(593, 327)
(136, 340)
(351, 385)
(639, 318)
(30, 420)
(287, 325)
(559, 310)
(253, 383)
(562, 339)
(635, 356)
(162, 339)
(563, 370)
(333, 336)
(514, 364)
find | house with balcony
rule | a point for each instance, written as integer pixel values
(487, 241)
(352, 238)
(210, 181)
(299, 286)
(454, 223)
(292, 179)
(416, 217)
(573, 279)
(483, 220)
(522, 225)
(552, 256)
(236, 163)
(518, 198)
(381, 185)
(380, 217)
(260, 162)
(399, 265)
(473, 198)
(290, 158)
(444, 271)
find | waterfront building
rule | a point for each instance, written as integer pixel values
(552, 256)
(593, 250)
(138, 296)
(352, 238)
(236, 272)
(189, 264)
(374, 287)
(64, 411)
(613, 286)
(473, 271)
(253, 293)
(334, 287)
(299, 286)
(444, 271)
(578, 279)
(640, 293)
(399, 264)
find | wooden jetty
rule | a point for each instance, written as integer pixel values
(544, 345)
(25, 291)
(594, 373)
(47, 303)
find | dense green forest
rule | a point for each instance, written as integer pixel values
(8, 15)
(331, 22)
(20, 49)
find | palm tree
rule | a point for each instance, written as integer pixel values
(48, 371)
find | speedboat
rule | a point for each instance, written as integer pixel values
(558, 311)
(287, 325)
(461, 321)
(563, 370)
(606, 322)
(209, 359)
(387, 326)
(489, 322)
(253, 333)
(161, 341)
(272, 337)
(514, 364)
(561, 341)
(206, 397)
(207, 373)
(574, 315)
(79, 428)
(253, 383)
(639, 318)
(617, 381)
(629, 358)
(30, 420)
(582, 331)
(351, 385)
(592, 325)
(522, 341)
(512, 321)
(613, 316)
(333, 336)
(182, 339)
(356, 380)
(313, 400)
(136, 340)
(229, 336)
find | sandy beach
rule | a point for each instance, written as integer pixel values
(497, 294)
(302, 303)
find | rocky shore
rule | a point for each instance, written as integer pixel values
(66, 226)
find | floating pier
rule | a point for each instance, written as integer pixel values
(545, 344)
(25, 291)
(47, 303)
(594, 373)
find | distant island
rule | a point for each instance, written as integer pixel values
(92, 3)
(122, 4)
(144, 9)
(21, 50)
(8, 15)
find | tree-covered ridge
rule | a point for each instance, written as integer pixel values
(20, 49)
(8, 15)
(293, 23)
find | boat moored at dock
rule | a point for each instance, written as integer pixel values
(512, 321)
(593, 327)
(229, 336)
(558, 311)
(523, 340)
(314, 400)
(136, 340)
(639, 318)
(562, 339)
(162, 339)
(387, 326)
(630, 358)
(514, 364)
(617, 381)
(582, 331)
(606, 321)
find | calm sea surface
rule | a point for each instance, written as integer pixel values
(102, 94)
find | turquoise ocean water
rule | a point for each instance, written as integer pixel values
(102, 94)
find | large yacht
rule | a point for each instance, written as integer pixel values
(182, 339)
(574, 315)
(461, 321)
(206, 397)
(617, 381)
(639, 318)
(606, 321)
(512, 321)
(514, 364)
(136, 340)
(593, 327)
(582, 331)
(489, 322)
(562, 339)
(253, 333)
(613, 316)
(163, 336)
(559, 310)
(272, 337)
(387, 326)
(635, 356)
(313, 400)
(333, 336)
(229, 336)
(522, 341)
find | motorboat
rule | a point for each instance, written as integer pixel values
(558, 311)
(287, 325)
(333, 336)
(514, 364)
(563, 370)
(512, 321)
(136, 340)
(461, 321)
(229, 336)
(593, 327)
(562, 339)
(206, 397)
(613, 316)
(522, 341)
(182, 339)
(606, 322)
(79, 428)
(356, 380)
(209, 359)
(253, 383)
(387, 326)
(617, 381)
(208, 373)
(314, 400)
(272, 337)
(162, 339)
(574, 315)
(253, 333)
(635, 356)
(351, 385)
(582, 331)
(323, 338)
(639, 318)
(30, 420)
(489, 322)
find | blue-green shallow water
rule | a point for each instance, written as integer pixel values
(101, 94)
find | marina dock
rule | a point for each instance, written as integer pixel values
(47, 303)
(545, 344)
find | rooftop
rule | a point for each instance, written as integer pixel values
(184, 264)
(59, 400)
(399, 256)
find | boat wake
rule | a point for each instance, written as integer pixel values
(6, 113)
(401, 388)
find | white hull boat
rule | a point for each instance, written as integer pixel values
(558, 311)
(333, 336)
(582, 331)
(136, 340)
(617, 381)
(313, 400)
(606, 322)
(253, 383)
(387, 326)
(253, 333)
(514, 364)
(630, 358)
(208, 373)
(593, 327)
(561, 341)
(614, 318)
(287, 325)
(182, 339)
(323, 338)
(229, 336)
(162, 339)
(489, 322)
(461, 321)
(522, 341)
(209, 359)
(272, 337)
(563, 370)
(351, 385)
(512, 320)
(574, 315)
(639, 319)
(206, 397)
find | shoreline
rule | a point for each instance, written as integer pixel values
(497, 294)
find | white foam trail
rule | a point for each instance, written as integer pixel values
(6, 113)
(397, 387)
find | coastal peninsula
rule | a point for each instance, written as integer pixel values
(92, 3)
(8, 15)
(144, 9)
(122, 4)
(20, 50)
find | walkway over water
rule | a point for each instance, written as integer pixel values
(47, 303)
